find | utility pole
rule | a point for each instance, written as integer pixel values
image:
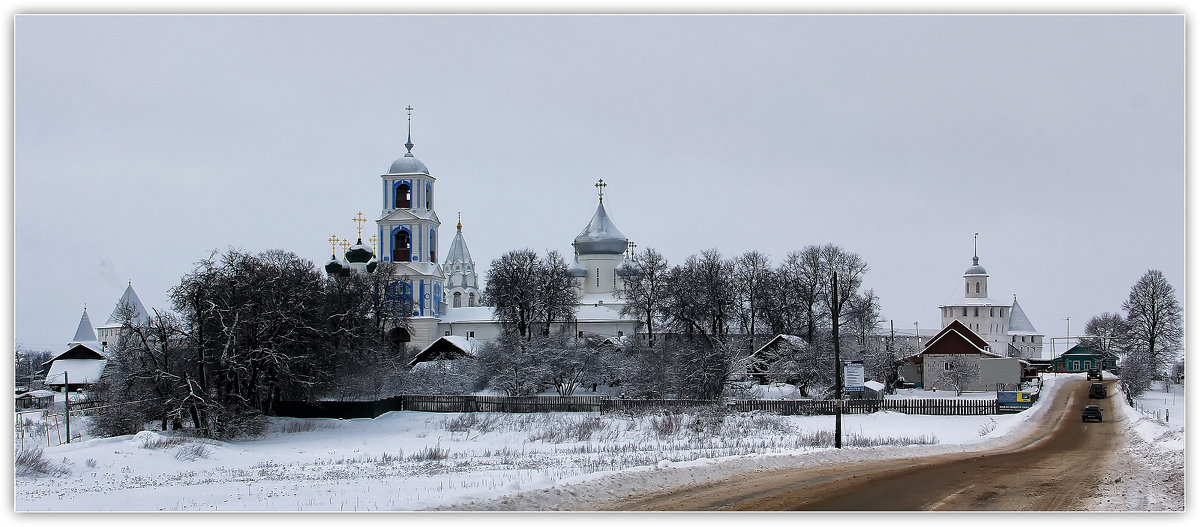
(837, 363)
(67, 402)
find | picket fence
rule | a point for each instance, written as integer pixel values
(603, 404)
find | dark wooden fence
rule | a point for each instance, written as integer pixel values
(866, 406)
(595, 403)
(500, 403)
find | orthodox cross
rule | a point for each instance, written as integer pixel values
(359, 219)
(333, 240)
(409, 144)
(575, 245)
(345, 245)
(631, 246)
(373, 238)
(977, 245)
(460, 221)
(600, 185)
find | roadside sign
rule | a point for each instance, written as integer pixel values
(1024, 398)
(855, 376)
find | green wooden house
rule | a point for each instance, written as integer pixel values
(1082, 358)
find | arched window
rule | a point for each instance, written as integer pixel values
(402, 246)
(968, 288)
(428, 196)
(976, 287)
(457, 299)
(403, 197)
(471, 300)
(432, 246)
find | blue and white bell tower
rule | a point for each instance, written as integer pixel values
(408, 233)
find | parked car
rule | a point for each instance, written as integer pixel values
(1092, 411)
(1098, 391)
(1094, 373)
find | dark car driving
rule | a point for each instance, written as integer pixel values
(1094, 373)
(1092, 411)
(1097, 391)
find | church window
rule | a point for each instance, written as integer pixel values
(968, 288)
(432, 246)
(620, 334)
(947, 366)
(964, 311)
(447, 334)
(457, 299)
(403, 196)
(428, 196)
(470, 334)
(976, 311)
(976, 287)
(471, 300)
(402, 246)
(991, 312)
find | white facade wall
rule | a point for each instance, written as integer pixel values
(989, 321)
(602, 272)
(936, 364)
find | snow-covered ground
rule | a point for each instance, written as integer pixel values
(414, 460)
(1149, 474)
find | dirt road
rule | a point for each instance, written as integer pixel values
(1054, 467)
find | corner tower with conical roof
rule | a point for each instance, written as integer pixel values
(130, 307)
(462, 284)
(83, 333)
(1003, 326)
(599, 252)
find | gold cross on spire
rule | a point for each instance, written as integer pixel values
(460, 220)
(373, 239)
(600, 185)
(345, 245)
(333, 241)
(359, 219)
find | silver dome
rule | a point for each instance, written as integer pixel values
(408, 165)
(975, 268)
(601, 236)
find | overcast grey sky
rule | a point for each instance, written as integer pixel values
(144, 142)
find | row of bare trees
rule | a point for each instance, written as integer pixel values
(1147, 337)
(249, 330)
(715, 311)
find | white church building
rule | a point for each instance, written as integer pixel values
(1004, 326)
(446, 296)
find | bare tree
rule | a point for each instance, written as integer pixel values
(512, 290)
(1113, 330)
(863, 315)
(1155, 319)
(698, 307)
(556, 296)
(1137, 373)
(959, 373)
(645, 287)
(751, 276)
(524, 290)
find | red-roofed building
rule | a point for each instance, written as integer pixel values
(949, 360)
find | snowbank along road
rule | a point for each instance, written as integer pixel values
(1058, 464)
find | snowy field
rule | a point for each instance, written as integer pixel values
(1150, 474)
(415, 460)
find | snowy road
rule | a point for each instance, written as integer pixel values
(1057, 465)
